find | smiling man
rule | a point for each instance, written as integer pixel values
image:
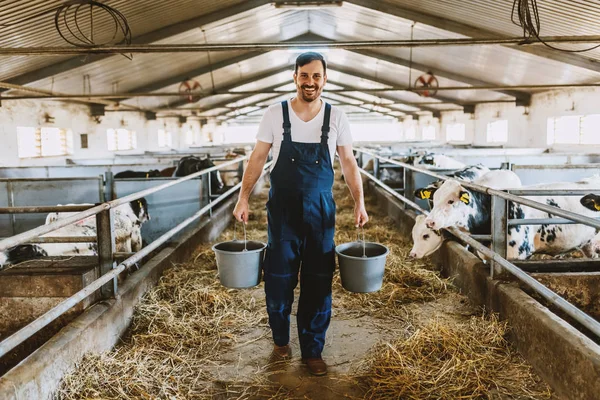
(303, 134)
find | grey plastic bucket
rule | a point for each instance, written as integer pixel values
(362, 274)
(239, 269)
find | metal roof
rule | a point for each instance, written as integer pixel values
(252, 21)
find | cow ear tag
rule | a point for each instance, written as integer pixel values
(465, 197)
(425, 194)
(596, 205)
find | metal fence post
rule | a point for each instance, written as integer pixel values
(11, 203)
(376, 167)
(499, 211)
(106, 249)
(210, 211)
(360, 159)
(409, 186)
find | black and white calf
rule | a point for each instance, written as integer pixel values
(467, 174)
(128, 219)
(523, 241)
(138, 174)
(441, 161)
(455, 206)
(192, 164)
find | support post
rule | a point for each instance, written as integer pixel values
(106, 249)
(109, 192)
(376, 167)
(409, 186)
(499, 212)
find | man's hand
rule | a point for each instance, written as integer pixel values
(240, 212)
(360, 215)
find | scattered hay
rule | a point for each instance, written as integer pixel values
(183, 325)
(178, 331)
(468, 361)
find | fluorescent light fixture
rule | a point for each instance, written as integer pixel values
(308, 4)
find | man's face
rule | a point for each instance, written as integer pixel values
(310, 80)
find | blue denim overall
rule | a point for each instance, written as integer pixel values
(301, 216)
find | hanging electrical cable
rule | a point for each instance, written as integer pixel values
(525, 14)
(68, 19)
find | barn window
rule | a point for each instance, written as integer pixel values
(410, 133)
(455, 132)
(574, 129)
(44, 142)
(590, 129)
(428, 132)
(497, 131)
(121, 139)
(189, 137)
(165, 138)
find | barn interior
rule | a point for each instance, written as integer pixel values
(147, 111)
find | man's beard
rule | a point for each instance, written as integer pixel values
(310, 95)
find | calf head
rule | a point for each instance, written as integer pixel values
(425, 240)
(153, 173)
(591, 202)
(140, 209)
(452, 206)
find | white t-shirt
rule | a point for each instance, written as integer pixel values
(270, 129)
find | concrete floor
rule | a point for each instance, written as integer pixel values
(349, 341)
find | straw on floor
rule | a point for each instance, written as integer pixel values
(181, 327)
(470, 360)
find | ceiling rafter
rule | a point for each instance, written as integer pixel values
(474, 32)
(154, 36)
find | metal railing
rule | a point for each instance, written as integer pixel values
(498, 237)
(109, 269)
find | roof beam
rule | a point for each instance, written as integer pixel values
(159, 34)
(387, 7)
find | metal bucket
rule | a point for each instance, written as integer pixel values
(238, 268)
(362, 274)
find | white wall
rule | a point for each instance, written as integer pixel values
(526, 125)
(77, 118)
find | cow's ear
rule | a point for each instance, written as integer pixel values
(465, 197)
(424, 193)
(591, 201)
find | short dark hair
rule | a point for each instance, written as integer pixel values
(308, 57)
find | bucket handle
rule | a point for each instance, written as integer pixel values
(245, 236)
(360, 230)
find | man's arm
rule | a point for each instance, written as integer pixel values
(354, 182)
(253, 171)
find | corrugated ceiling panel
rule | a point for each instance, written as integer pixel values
(494, 64)
(143, 16)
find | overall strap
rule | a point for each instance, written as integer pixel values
(287, 126)
(325, 127)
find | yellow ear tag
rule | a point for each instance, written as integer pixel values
(140, 204)
(596, 206)
(465, 198)
(425, 194)
(147, 175)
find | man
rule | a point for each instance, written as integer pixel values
(303, 134)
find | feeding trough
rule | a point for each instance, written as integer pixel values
(362, 265)
(239, 262)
